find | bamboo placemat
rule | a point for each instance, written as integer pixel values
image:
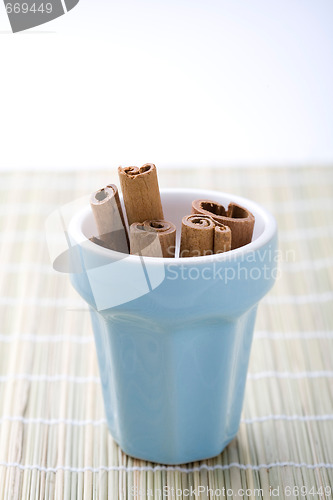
(54, 441)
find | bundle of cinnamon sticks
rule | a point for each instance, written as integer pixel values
(209, 229)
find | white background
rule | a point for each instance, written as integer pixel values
(177, 83)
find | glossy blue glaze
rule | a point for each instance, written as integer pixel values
(173, 359)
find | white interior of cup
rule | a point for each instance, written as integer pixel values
(176, 204)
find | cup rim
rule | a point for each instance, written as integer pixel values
(270, 229)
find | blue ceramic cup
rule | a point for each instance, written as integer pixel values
(173, 336)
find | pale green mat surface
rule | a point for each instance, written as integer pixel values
(54, 442)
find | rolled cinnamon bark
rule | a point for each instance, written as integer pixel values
(141, 193)
(197, 236)
(153, 238)
(222, 238)
(109, 218)
(239, 219)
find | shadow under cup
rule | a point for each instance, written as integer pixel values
(173, 336)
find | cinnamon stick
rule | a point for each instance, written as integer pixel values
(109, 218)
(222, 238)
(197, 236)
(239, 219)
(153, 238)
(141, 193)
